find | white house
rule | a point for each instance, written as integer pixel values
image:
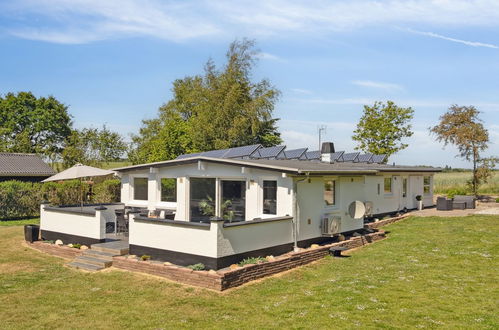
(221, 206)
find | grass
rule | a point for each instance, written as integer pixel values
(32, 221)
(456, 181)
(430, 272)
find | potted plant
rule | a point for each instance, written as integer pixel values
(419, 198)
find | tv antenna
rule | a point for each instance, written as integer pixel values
(320, 130)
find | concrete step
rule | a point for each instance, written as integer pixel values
(99, 254)
(117, 248)
(85, 266)
(86, 259)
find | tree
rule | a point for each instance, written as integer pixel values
(382, 128)
(33, 125)
(218, 109)
(461, 127)
(91, 146)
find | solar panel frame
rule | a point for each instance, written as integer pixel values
(295, 153)
(365, 158)
(378, 159)
(350, 157)
(269, 152)
(313, 155)
(240, 152)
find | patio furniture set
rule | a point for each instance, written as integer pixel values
(459, 202)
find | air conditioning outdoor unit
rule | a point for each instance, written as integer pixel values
(369, 208)
(331, 225)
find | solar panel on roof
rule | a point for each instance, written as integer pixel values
(313, 155)
(269, 152)
(244, 151)
(364, 158)
(379, 159)
(335, 156)
(295, 153)
(350, 157)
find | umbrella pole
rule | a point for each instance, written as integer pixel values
(81, 194)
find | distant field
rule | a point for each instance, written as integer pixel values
(456, 181)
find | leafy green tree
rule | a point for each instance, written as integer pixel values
(218, 109)
(33, 125)
(462, 127)
(382, 128)
(92, 146)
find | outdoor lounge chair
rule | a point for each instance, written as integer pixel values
(444, 204)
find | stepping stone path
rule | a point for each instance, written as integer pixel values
(99, 256)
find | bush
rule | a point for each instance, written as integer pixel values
(254, 260)
(196, 266)
(145, 257)
(22, 199)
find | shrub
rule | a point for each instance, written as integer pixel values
(22, 199)
(145, 257)
(254, 260)
(76, 246)
(196, 266)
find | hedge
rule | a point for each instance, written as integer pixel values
(22, 199)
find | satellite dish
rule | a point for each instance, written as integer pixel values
(357, 209)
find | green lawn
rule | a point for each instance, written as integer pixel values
(430, 272)
(32, 221)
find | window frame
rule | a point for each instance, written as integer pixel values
(167, 203)
(427, 185)
(262, 199)
(335, 193)
(133, 191)
(390, 192)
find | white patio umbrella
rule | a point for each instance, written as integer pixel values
(79, 171)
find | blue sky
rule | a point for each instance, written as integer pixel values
(113, 61)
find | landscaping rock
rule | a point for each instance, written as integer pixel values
(131, 256)
(167, 263)
(70, 245)
(356, 234)
(58, 242)
(234, 266)
(83, 247)
(270, 258)
(314, 246)
(341, 238)
(211, 271)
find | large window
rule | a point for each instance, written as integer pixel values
(388, 185)
(426, 184)
(140, 189)
(168, 190)
(202, 201)
(269, 197)
(330, 192)
(233, 207)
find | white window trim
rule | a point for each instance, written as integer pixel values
(132, 200)
(390, 193)
(260, 196)
(336, 204)
(161, 203)
(430, 185)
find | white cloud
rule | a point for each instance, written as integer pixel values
(267, 56)
(378, 84)
(465, 42)
(82, 21)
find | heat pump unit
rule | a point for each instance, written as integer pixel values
(331, 225)
(369, 209)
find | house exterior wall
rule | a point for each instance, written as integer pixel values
(253, 177)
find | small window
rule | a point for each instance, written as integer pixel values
(404, 187)
(269, 197)
(330, 192)
(168, 190)
(388, 185)
(140, 189)
(426, 184)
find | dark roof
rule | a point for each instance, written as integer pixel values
(14, 164)
(293, 166)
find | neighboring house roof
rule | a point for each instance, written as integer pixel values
(16, 164)
(292, 166)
